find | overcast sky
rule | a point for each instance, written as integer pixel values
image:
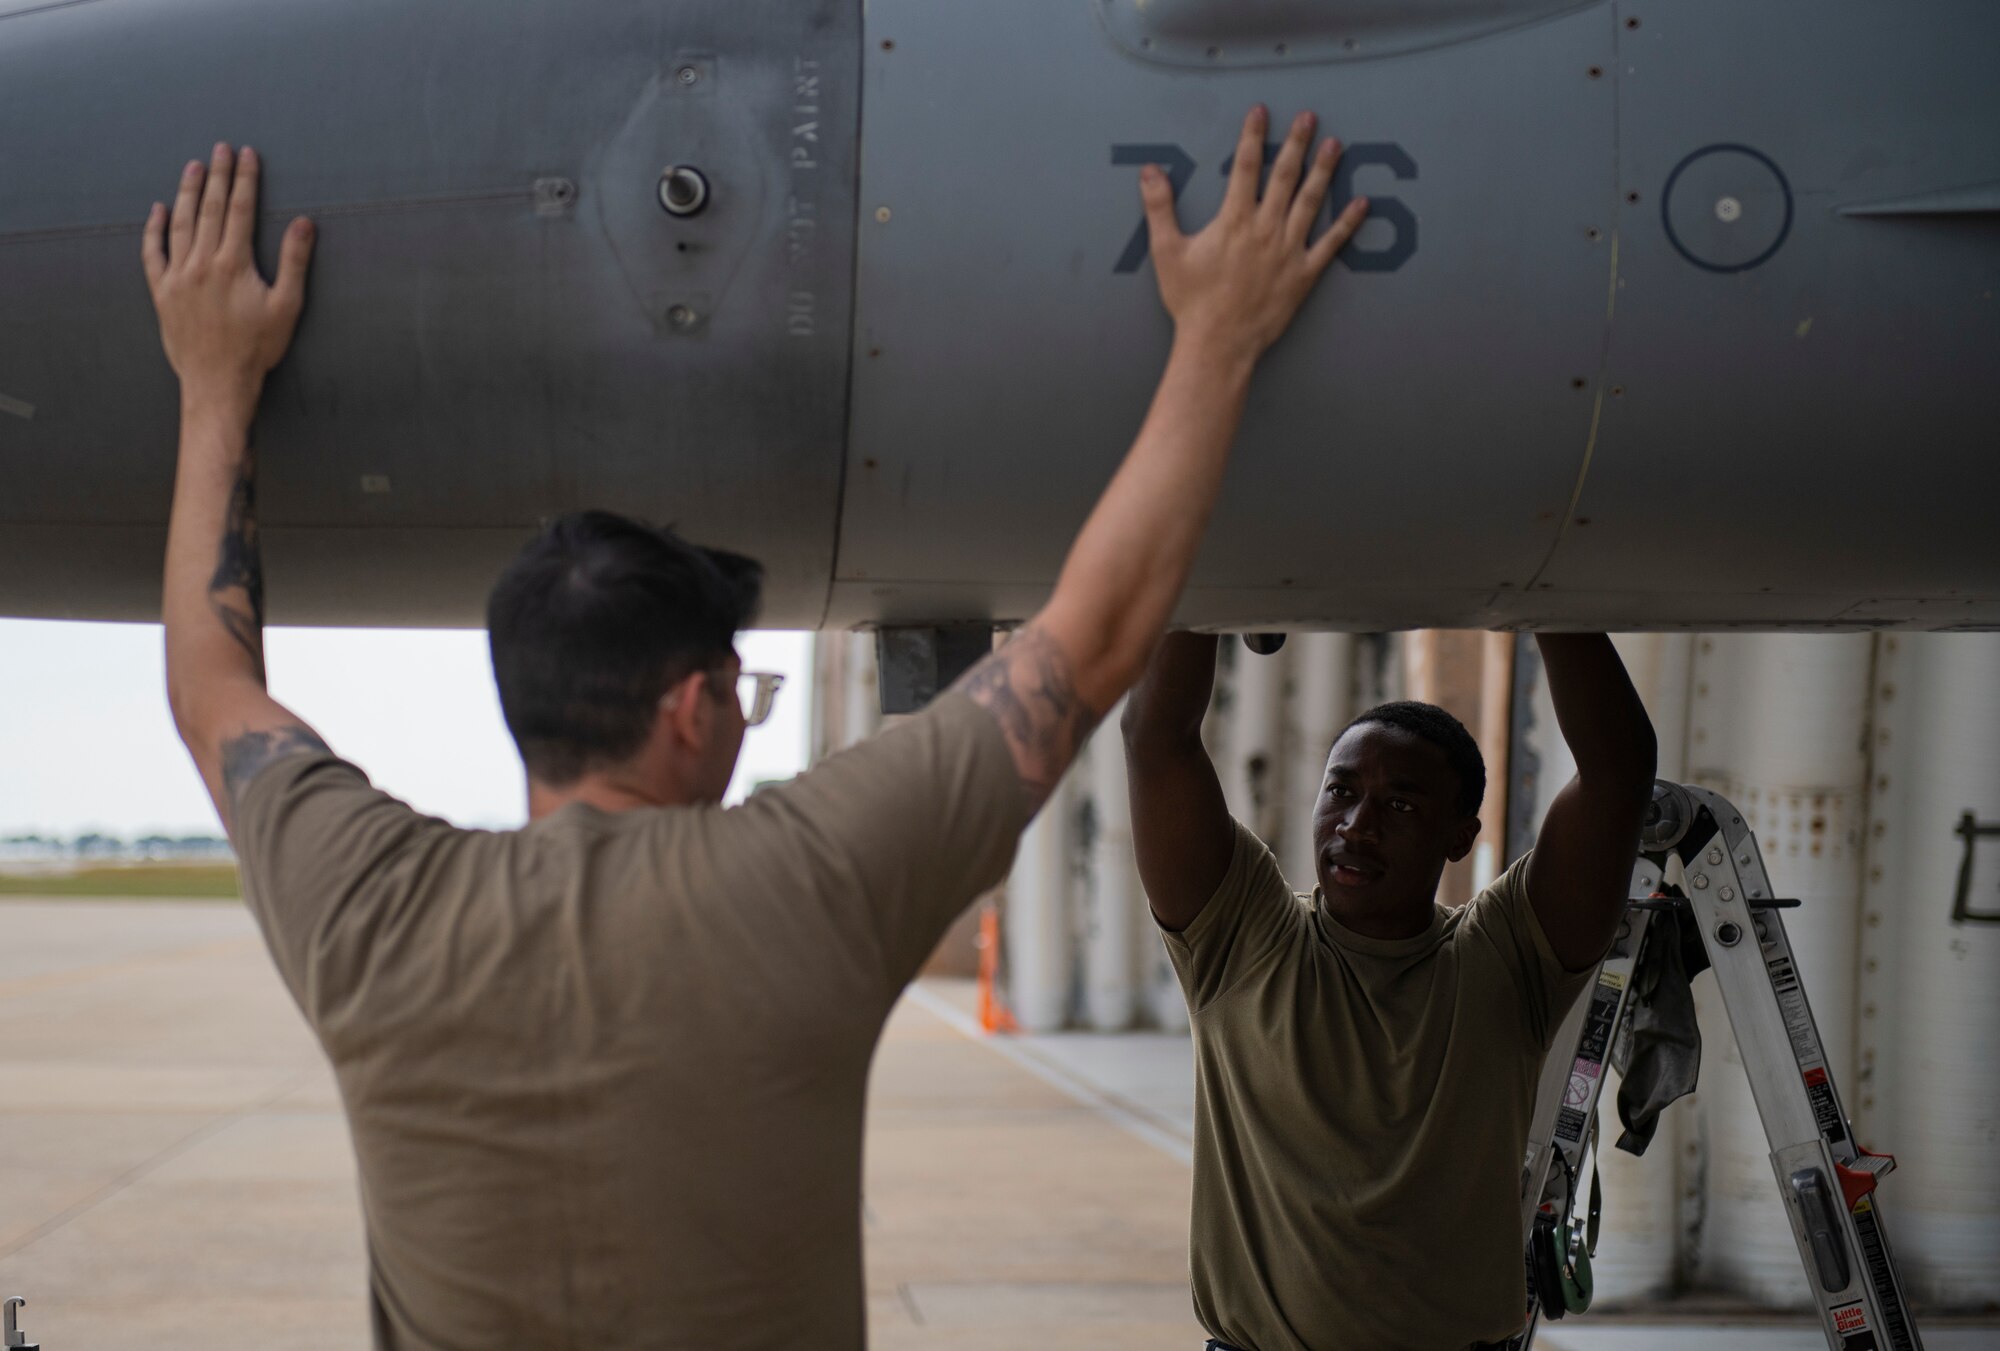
(86, 742)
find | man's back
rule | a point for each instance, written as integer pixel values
(605, 1074)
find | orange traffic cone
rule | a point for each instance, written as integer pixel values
(994, 1015)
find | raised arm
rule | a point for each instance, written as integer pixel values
(1181, 829)
(1582, 864)
(223, 330)
(1231, 290)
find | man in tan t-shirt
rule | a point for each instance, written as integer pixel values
(605, 1074)
(1366, 1059)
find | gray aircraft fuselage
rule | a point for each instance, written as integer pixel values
(1668, 314)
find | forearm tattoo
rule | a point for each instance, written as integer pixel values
(243, 756)
(1028, 687)
(239, 568)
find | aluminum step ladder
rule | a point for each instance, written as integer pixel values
(1696, 852)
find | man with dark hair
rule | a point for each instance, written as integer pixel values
(1365, 1058)
(581, 656)
(605, 1074)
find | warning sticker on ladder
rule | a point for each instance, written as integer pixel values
(1792, 1007)
(1588, 1067)
(1826, 1111)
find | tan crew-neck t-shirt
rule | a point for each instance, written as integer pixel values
(605, 1074)
(1361, 1112)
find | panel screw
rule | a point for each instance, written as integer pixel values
(681, 317)
(683, 190)
(687, 75)
(882, 214)
(1728, 210)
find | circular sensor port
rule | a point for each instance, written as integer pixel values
(683, 190)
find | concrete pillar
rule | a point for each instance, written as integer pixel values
(1113, 899)
(1794, 761)
(1944, 1200)
(1252, 737)
(1036, 930)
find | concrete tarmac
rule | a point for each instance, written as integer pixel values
(175, 1171)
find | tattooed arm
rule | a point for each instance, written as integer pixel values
(1231, 290)
(223, 330)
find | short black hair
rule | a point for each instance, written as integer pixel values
(593, 621)
(1445, 732)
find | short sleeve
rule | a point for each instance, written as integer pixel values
(1504, 916)
(1250, 916)
(896, 834)
(318, 849)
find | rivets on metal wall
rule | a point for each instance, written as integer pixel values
(1727, 893)
(1715, 858)
(1701, 881)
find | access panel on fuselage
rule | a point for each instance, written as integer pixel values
(502, 320)
(1804, 409)
(1410, 446)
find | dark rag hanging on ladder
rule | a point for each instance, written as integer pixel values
(1658, 1050)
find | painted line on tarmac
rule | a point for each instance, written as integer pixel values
(1082, 1091)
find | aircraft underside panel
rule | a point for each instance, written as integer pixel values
(1537, 390)
(1666, 314)
(503, 321)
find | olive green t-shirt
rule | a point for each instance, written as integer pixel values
(605, 1074)
(1361, 1112)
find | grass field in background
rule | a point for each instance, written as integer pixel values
(175, 881)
